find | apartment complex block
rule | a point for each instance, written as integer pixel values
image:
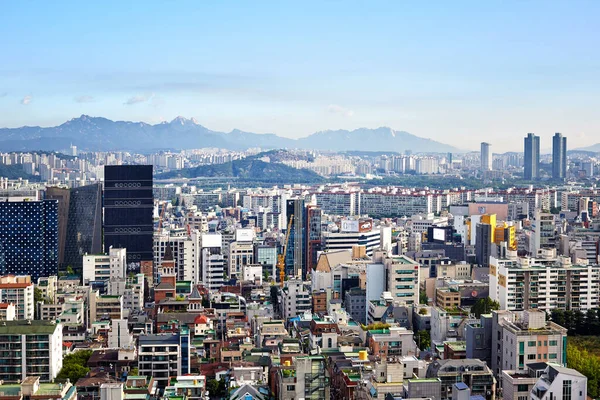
(546, 282)
(30, 348)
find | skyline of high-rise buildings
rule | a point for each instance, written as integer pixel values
(532, 157)
(531, 151)
(559, 156)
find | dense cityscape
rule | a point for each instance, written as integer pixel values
(299, 200)
(121, 279)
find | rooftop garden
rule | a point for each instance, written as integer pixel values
(375, 326)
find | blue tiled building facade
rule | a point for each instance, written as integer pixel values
(29, 238)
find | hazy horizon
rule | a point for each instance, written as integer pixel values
(458, 73)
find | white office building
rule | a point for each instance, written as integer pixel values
(295, 298)
(212, 261)
(186, 253)
(335, 241)
(119, 336)
(403, 279)
(105, 267)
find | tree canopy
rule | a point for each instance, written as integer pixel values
(424, 339)
(580, 359)
(484, 306)
(75, 365)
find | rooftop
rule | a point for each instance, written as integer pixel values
(159, 339)
(27, 327)
(457, 346)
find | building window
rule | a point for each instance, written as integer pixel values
(566, 392)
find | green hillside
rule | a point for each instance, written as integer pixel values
(247, 169)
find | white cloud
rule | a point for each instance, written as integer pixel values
(26, 100)
(140, 98)
(337, 109)
(84, 99)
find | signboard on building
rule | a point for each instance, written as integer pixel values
(244, 235)
(439, 234)
(365, 225)
(349, 225)
(355, 226)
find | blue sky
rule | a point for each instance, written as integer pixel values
(458, 72)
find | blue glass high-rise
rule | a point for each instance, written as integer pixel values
(532, 157)
(29, 238)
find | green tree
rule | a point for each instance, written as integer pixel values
(558, 317)
(38, 295)
(75, 365)
(484, 306)
(212, 386)
(70, 270)
(579, 323)
(134, 371)
(216, 388)
(569, 321)
(423, 299)
(588, 364)
(424, 339)
(554, 210)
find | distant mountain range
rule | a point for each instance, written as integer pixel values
(594, 148)
(102, 134)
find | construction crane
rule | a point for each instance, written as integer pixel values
(281, 257)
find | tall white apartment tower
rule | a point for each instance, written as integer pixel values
(486, 156)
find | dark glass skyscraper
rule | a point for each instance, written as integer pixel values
(295, 257)
(532, 157)
(305, 237)
(29, 238)
(559, 156)
(128, 205)
(313, 237)
(79, 223)
(483, 244)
